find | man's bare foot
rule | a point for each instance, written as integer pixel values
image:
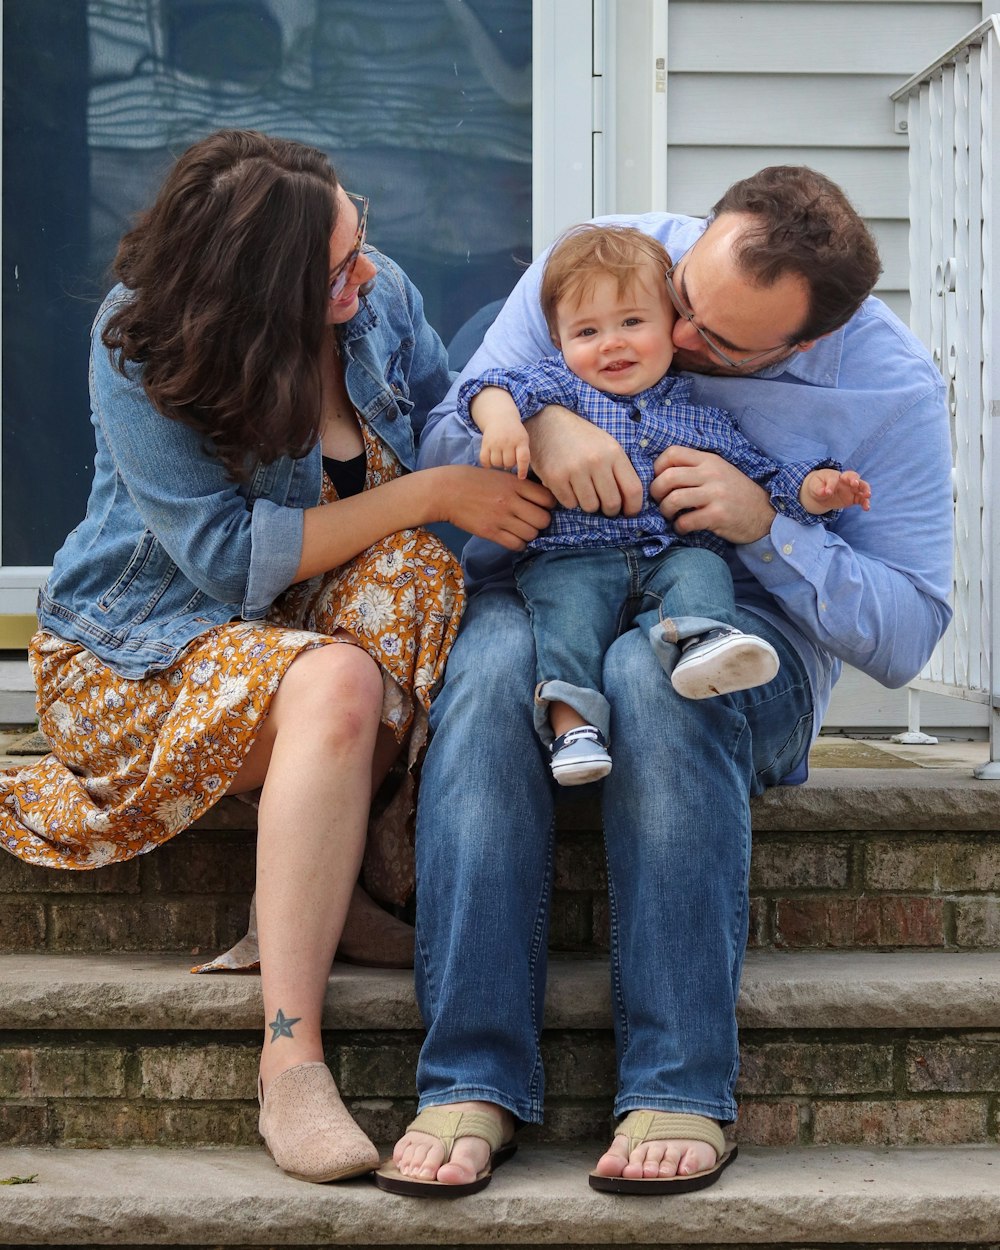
(655, 1158)
(421, 1157)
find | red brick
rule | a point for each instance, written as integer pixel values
(571, 924)
(381, 1071)
(796, 865)
(209, 864)
(227, 814)
(580, 863)
(977, 923)
(578, 1123)
(23, 927)
(954, 1067)
(928, 1122)
(146, 923)
(112, 1123)
(764, 1123)
(21, 878)
(199, 1073)
(15, 1073)
(384, 1120)
(601, 922)
(880, 921)
(25, 1124)
(760, 923)
(78, 1071)
(812, 1067)
(940, 866)
(579, 1066)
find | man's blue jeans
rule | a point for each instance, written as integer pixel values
(677, 832)
(580, 599)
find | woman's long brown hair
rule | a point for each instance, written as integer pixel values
(229, 270)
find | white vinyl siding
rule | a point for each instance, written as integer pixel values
(769, 82)
(803, 82)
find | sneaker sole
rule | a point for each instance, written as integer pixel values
(579, 772)
(735, 664)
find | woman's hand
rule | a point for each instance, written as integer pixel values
(698, 490)
(582, 465)
(490, 504)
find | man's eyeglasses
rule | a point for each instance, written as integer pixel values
(344, 270)
(684, 311)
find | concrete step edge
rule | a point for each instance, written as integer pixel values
(800, 990)
(238, 1197)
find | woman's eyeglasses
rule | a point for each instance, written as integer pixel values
(344, 270)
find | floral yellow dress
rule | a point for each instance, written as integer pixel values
(135, 761)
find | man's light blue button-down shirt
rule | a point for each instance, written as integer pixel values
(872, 588)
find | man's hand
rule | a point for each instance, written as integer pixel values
(582, 465)
(698, 490)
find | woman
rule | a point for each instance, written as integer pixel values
(258, 379)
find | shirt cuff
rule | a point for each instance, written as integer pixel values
(785, 554)
(275, 552)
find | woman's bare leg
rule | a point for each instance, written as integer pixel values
(314, 756)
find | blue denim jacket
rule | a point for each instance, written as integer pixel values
(170, 546)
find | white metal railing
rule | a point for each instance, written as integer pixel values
(951, 112)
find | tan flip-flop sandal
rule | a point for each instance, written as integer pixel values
(448, 1126)
(643, 1126)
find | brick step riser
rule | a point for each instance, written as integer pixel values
(864, 1087)
(866, 889)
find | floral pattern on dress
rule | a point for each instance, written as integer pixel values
(135, 761)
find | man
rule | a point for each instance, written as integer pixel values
(776, 325)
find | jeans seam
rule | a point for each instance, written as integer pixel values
(538, 936)
(616, 974)
(741, 913)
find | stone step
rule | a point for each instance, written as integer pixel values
(837, 1048)
(869, 857)
(948, 1199)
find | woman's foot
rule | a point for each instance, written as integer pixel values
(421, 1157)
(373, 936)
(308, 1131)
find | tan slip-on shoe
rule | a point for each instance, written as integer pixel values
(308, 1131)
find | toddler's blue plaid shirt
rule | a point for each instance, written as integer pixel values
(645, 425)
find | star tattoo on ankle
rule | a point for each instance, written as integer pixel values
(282, 1025)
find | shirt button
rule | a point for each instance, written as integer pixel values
(643, 442)
(767, 557)
(787, 549)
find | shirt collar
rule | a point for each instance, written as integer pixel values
(672, 384)
(359, 325)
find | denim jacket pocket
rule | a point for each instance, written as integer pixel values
(142, 583)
